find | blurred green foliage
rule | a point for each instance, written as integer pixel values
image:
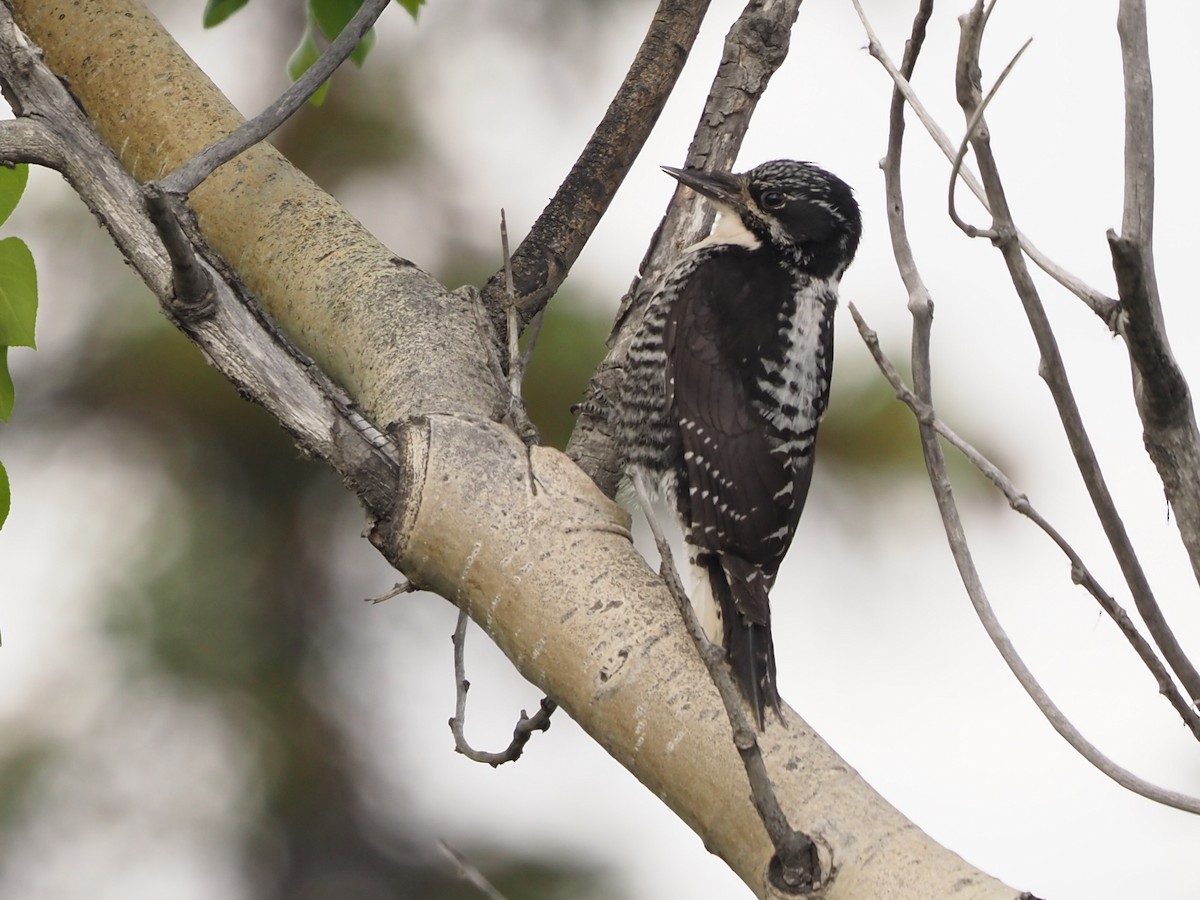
(18, 303)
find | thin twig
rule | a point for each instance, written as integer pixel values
(1102, 305)
(1052, 369)
(971, 230)
(187, 177)
(400, 587)
(526, 724)
(1080, 573)
(796, 863)
(546, 255)
(517, 413)
(532, 333)
(468, 873)
(510, 307)
(936, 463)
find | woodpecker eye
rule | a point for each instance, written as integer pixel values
(773, 200)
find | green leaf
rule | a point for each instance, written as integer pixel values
(5, 496)
(359, 54)
(7, 391)
(332, 16)
(18, 294)
(301, 61)
(217, 11)
(411, 6)
(12, 185)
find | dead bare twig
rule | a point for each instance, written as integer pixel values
(956, 536)
(1052, 368)
(526, 724)
(188, 177)
(921, 306)
(1102, 305)
(468, 873)
(1160, 389)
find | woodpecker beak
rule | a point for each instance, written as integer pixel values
(724, 188)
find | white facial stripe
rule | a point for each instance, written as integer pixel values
(729, 230)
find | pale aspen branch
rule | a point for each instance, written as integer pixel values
(234, 335)
(1161, 391)
(543, 259)
(522, 731)
(755, 47)
(797, 865)
(1051, 367)
(524, 427)
(1102, 305)
(187, 177)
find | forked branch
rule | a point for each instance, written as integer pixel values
(1102, 305)
(936, 463)
(188, 177)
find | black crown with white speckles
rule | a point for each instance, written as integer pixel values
(799, 207)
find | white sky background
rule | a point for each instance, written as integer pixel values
(878, 646)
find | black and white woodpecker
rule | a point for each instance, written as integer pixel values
(724, 386)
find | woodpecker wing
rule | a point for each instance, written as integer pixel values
(743, 492)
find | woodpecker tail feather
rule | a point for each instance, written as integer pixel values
(740, 591)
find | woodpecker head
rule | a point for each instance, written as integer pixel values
(796, 208)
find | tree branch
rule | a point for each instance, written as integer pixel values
(936, 463)
(1080, 574)
(1052, 369)
(522, 732)
(187, 177)
(251, 352)
(545, 256)
(1103, 306)
(1159, 387)
(468, 873)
